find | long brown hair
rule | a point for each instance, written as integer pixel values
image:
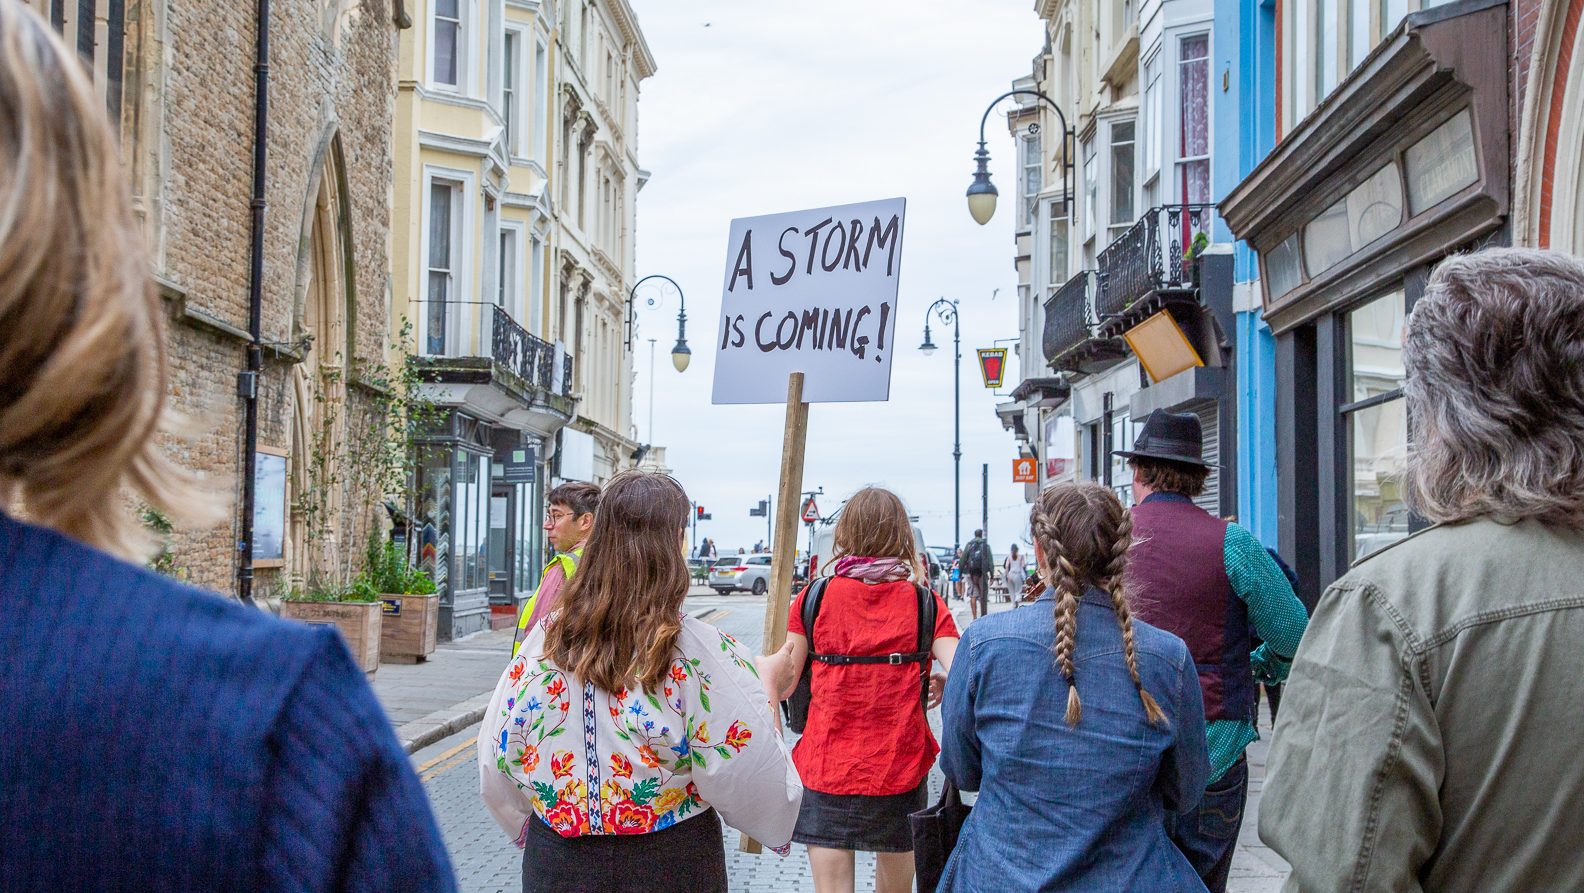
(82, 354)
(621, 613)
(1084, 534)
(874, 524)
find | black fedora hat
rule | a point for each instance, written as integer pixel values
(1171, 436)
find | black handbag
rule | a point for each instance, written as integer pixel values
(935, 831)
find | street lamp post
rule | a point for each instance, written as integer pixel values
(680, 354)
(982, 192)
(946, 311)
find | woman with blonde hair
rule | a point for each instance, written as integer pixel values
(157, 737)
(624, 731)
(1078, 726)
(867, 748)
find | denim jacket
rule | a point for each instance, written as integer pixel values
(1064, 808)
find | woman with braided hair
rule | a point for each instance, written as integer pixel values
(1078, 725)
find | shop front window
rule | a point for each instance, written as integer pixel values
(1377, 424)
(1283, 269)
(1370, 211)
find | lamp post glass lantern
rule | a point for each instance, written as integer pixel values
(982, 193)
(946, 311)
(681, 354)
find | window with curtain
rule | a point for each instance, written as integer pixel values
(541, 102)
(447, 42)
(1325, 49)
(1091, 190)
(509, 90)
(506, 295)
(1122, 185)
(441, 261)
(1193, 119)
(1031, 176)
(1058, 244)
(1152, 126)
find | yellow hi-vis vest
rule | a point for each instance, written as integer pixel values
(568, 563)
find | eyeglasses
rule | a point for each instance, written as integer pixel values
(554, 517)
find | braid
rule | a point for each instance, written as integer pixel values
(1060, 575)
(1116, 585)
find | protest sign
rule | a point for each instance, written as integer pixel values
(814, 292)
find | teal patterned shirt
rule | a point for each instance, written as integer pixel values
(1275, 615)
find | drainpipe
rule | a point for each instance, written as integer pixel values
(248, 379)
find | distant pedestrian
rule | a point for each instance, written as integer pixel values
(1080, 727)
(157, 738)
(867, 749)
(957, 576)
(1014, 573)
(568, 520)
(978, 562)
(625, 731)
(709, 549)
(1212, 583)
(1430, 730)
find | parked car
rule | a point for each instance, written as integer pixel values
(741, 573)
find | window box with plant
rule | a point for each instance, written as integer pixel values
(409, 602)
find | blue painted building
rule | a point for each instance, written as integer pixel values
(1244, 109)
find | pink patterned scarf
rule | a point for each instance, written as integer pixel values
(873, 570)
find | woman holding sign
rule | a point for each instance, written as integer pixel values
(866, 747)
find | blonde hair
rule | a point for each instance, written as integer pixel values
(82, 356)
(1084, 534)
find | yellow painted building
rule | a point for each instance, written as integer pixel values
(514, 193)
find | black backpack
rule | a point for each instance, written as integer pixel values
(796, 707)
(977, 559)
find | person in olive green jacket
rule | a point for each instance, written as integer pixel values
(1430, 735)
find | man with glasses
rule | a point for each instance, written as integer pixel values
(567, 524)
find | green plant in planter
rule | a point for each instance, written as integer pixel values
(356, 592)
(1201, 241)
(386, 571)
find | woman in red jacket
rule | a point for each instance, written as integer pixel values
(866, 748)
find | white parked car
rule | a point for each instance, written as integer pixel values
(741, 572)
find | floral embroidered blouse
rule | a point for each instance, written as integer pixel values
(587, 761)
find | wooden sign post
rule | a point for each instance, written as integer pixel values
(794, 442)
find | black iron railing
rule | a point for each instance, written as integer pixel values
(532, 359)
(1151, 256)
(1068, 316)
(566, 376)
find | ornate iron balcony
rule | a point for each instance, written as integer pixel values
(1150, 256)
(530, 358)
(1068, 316)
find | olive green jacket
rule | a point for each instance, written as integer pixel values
(1432, 733)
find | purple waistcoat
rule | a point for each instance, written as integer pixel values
(1177, 576)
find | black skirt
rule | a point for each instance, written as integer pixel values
(870, 824)
(689, 856)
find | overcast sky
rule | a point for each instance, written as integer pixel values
(759, 108)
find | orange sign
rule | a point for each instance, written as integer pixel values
(1024, 471)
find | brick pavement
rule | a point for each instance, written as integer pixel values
(486, 862)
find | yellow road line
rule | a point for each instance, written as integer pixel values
(448, 754)
(454, 762)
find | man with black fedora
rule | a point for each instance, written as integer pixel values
(1210, 582)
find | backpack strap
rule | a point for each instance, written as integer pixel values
(811, 606)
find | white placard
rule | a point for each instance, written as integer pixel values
(813, 292)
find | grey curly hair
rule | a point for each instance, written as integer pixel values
(1494, 357)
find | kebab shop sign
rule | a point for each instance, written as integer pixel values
(813, 292)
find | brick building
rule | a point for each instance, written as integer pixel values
(179, 76)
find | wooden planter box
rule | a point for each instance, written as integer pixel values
(409, 628)
(358, 623)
